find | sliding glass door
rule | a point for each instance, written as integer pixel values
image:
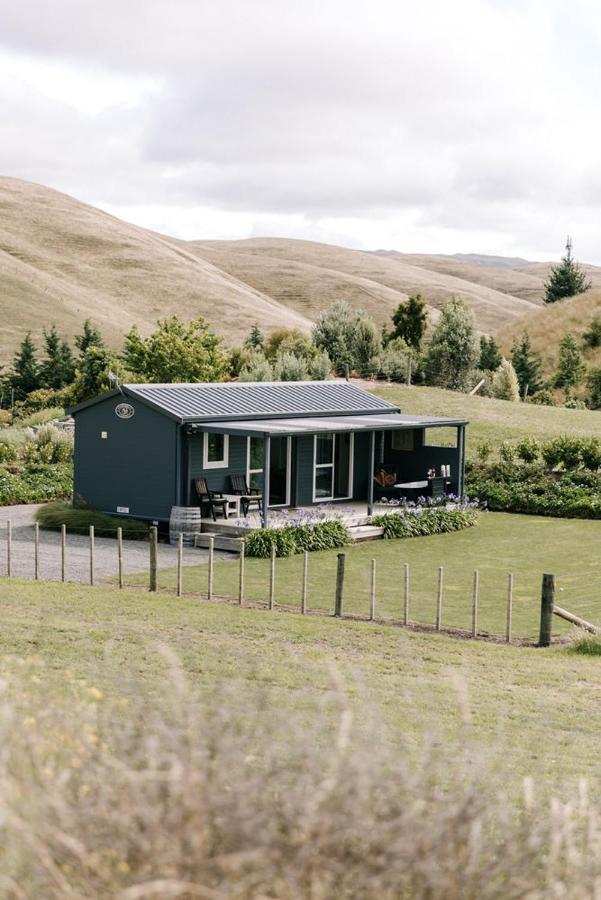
(333, 466)
(279, 469)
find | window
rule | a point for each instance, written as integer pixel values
(446, 436)
(402, 440)
(216, 451)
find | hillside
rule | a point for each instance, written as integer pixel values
(548, 325)
(61, 261)
(307, 276)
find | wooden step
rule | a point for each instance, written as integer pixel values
(222, 541)
(360, 533)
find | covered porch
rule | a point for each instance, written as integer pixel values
(341, 465)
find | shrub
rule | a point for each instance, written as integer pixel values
(78, 519)
(320, 366)
(40, 417)
(289, 367)
(423, 521)
(258, 370)
(297, 536)
(505, 384)
(543, 397)
(36, 483)
(484, 451)
(586, 645)
(5, 417)
(528, 450)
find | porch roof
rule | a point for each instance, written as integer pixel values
(317, 425)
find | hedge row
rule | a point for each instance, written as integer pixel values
(424, 521)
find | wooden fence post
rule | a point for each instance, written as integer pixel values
(406, 594)
(211, 564)
(439, 599)
(180, 563)
(475, 597)
(305, 582)
(272, 578)
(120, 555)
(339, 584)
(547, 602)
(36, 559)
(241, 577)
(9, 547)
(372, 592)
(64, 555)
(154, 551)
(509, 608)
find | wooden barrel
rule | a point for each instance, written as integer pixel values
(184, 520)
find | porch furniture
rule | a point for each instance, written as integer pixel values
(412, 489)
(248, 496)
(213, 499)
(234, 502)
(438, 487)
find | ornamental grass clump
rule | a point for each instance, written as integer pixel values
(423, 520)
(296, 531)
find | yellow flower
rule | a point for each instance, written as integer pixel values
(95, 693)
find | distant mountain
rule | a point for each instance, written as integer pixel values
(494, 262)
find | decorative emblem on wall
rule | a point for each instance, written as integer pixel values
(124, 410)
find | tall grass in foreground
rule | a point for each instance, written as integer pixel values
(231, 798)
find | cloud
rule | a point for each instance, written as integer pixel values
(473, 124)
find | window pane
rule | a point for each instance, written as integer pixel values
(343, 465)
(215, 447)
(440, 437)
(256, 481)
(323, 483)
(325, 448)
(256, 453)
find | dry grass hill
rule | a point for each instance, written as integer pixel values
(62, 261)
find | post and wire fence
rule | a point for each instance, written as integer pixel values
(350, 586)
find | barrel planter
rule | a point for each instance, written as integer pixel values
(184, 520)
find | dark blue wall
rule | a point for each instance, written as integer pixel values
(136, 465)
(217, 479)
(413, 465)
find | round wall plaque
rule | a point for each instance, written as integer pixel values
(124, 410)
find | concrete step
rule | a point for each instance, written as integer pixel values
(360, 533)
(222, 541)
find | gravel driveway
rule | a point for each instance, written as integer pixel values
(135, 553)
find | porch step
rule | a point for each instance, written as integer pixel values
(360, 533)
(222, 541)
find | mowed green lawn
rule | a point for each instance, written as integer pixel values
(501, 543)
(528, 710)
(493, 420)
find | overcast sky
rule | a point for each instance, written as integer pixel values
(433, 126)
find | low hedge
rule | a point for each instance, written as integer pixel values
(79, 518)
(542, 496)
(35, 483)
(328, 534)
(424, 521)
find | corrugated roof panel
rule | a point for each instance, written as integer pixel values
(233, 400)
(313, 425)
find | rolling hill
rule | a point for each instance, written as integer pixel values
(62, 261)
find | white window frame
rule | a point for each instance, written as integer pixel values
(332, 466)
(222, 463)
(260, 471)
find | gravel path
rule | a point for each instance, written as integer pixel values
(135, 553)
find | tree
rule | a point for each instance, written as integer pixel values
(90, 337)
(505, 385)
(527, 365)
(567, 279)
(289, 340)
(176, 352)
(571, 368)
(94, 372)
(289, 367)
(490, 355)
(594, 385)
(255, 339)
(453, 352)
(58, 369)
(395, 359)
(348, 336)
(26, 370)
(367, 348)
(592, 337)
(410, 320)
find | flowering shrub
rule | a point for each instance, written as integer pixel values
(428, 517)
(295, 531)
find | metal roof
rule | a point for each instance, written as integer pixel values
(308, 425)
(253, 400)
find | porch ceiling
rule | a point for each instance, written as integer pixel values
(386, 422)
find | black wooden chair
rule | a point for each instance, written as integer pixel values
(248, 496)
(213, 499)
(437, 488)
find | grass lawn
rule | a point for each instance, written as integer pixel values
(493, 420)
(533, 710)
(501, 543)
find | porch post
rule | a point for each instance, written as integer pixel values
(461, 447)
(188, 469)
(370, 478)
(266, 467)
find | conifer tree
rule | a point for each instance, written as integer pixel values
(255, 339)
(571, 368)
(90, 337)
(527, 365)
(410, 320)
(490, 355)
(505, 385)
(567, 279)
(26, 370)
(58, 369)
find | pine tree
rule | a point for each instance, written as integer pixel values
(255, 339)
(410, 320)
(58, 369)
(453, 352)
(571, 368)
(26, 370)
(490, 355)
(567, 279)
(90, 337)
(505, 385)
(527, 365)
